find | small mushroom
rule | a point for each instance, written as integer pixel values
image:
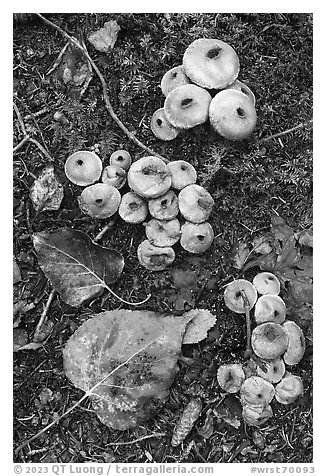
(133, 208)
(288, 389)
(83, 168)
(256, 415)
(296, 345)
(195, 203)
(121, 158)
(274, 370)
(155, 258)
(232, 114)
(270, 307)
(161, 127)
(149, 177)
(173, 78)
(182, 174)
(187, 106)
(163, 232)
(99, 200)
(211, 63)
(243, 88)
(269, 340)
(164, 207)
(196, 237)
(230, 377)
(114, 175)
(266, 283)
(233, 295)
(256, 391)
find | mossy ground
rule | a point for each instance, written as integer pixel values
(249, 180)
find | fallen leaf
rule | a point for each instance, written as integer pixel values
(305, 237)
(261, 245)
(186, 422)
(20, 342)
(201, 321)
(185, 289)
(126, 362)
(77, 268)
(45, 330)
(16, 272)
(104, 39)
(46, 192)
(241, 255)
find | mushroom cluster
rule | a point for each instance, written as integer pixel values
(178, 207)
(205, 87)
(275, 342)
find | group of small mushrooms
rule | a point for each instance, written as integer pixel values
(276, 343)
(205, 87)
(162, 191)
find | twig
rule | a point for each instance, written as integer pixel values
(288, 131)
(123, 443)
(58, 60)
(45, 312)
(107, 101)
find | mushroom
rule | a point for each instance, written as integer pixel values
(270, 307)
(196, 237)
(269, 340)
(195, 203)
(83, 168)
(288, 389)
(187, 106)
(161, 127)
(133, 208)
(164, 207)
(163, 232)
(149, 177)
(230, 377)
(274, 370)
(232, 114)
(256, 391)
(182, 174)
(233, 295)
(296, 343)
(155, 258)
(211, 63)
(243, 88)
(266, 283)
(121, 158)
(114, 175)
(99, 200)
(256, 415)
(173, 78)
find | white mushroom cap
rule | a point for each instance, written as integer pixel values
(195, 203)
(269, 340)
(99, 200)
(288, 389)
(155, 258)
(149, 177)
(182, 174)
(270, 307)
(121, 158)
(83, 168)
(296, 346)
(233, 295)
(243, 88)
(161, 127)
(196, 237)
(256, 415)
(230, 377)
(173, 78)
(187, 106)
(275, 369)
(164, 207)
(133, 208)
(114, 175)
(163, 232)
(211, 63)
(256, 391)
(266, 283)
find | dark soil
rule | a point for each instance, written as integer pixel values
(249, 180)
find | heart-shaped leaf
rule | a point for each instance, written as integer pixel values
(126, 362)
(76, 267)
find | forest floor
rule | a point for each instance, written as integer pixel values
(251, 181)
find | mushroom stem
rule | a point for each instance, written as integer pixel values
(246, 304)
(107, 101)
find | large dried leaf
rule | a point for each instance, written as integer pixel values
(77, 268)
(46, 192)
(126, 361)
(104, 39)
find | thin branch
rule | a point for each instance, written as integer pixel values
(107, 101)
(288, 131)
(124, 443)
(45, 312)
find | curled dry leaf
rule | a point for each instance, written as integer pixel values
(77, 268)
(104, 39)
(46, 192)
(201, 321)
(186, 422)
(125, 361)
